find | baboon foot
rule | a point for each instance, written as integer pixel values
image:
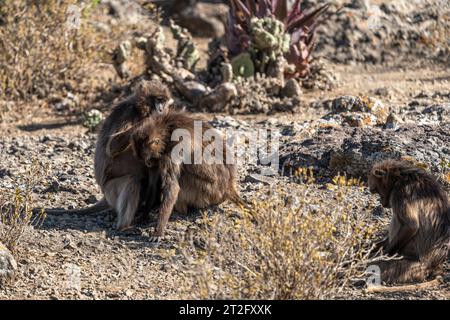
(155, 239)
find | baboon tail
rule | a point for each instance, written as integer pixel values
(100, 207)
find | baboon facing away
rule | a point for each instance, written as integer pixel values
(183, 185)
(420, 229)
(125, 182)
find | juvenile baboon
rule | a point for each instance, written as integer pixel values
(419, 230)
(184, 184)
(125, 182)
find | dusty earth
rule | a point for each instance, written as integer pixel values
(124, 265)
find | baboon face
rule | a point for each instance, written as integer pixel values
(381, 181)
(154, 96)
(376, 186)
(153, 147)
(149, 142)
(159, 103)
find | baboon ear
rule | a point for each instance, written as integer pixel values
(379, 173)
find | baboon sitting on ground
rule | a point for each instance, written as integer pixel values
(419, 230)
(184, 185)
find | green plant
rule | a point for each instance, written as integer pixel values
(268, 29)
(92, 119)
(17, 204)
(187, 53)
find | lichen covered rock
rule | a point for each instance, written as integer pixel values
(355, 111)
(353, 151)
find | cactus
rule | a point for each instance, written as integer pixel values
(244, 33)
(187, 53)
(269, 42)
(92, 119)
(243, 65)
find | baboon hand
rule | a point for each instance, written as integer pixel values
(155, 238)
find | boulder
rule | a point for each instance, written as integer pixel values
(337, 149)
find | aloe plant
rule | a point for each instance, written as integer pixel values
(298, 25)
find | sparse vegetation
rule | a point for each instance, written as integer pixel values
(288, 246)
(306, 236)
(40, 51)
(92, 119)
(17, 204)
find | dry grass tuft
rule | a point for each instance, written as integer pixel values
(16, 206)
(290, 245)
(39, 52)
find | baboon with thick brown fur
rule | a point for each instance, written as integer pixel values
(420, 229)
(184, 184)
(125, 182)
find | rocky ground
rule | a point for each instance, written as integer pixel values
(338, 130)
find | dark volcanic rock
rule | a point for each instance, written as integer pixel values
(363, 31)
(352, 151)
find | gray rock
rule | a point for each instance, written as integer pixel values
(8, 265)
(353, 151)
(217, 99)
(392, 122)
(204, 19)
(291, 89)
(128, 12)
(258, 178)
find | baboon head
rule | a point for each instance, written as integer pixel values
(382, 179)
(149, 141)
(152, 96)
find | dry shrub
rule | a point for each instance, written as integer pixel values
(39, 52)
(16, 206)
(290, 245)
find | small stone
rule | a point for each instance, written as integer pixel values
(382, 92)
(91, 199)
(355, 119)
(129, 293)
(8, 265)
(363, 104)
(291, 89)
(258, 178)
(216, 100)
(204, 19)
(392, 122)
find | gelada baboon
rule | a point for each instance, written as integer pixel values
(184, 184)
(419, 230)
(122, 178)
